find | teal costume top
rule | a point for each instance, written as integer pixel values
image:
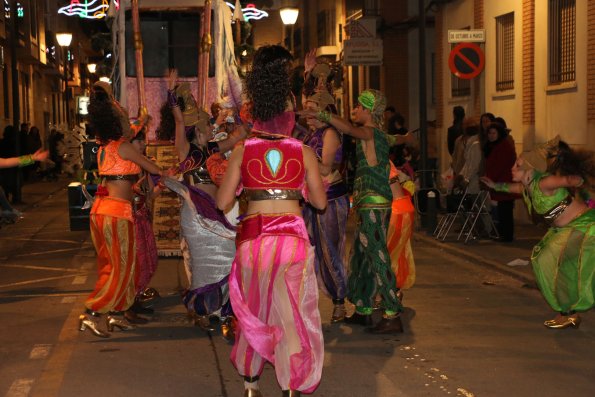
(371, 186)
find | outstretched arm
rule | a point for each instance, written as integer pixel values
(182, 144)
(553, 182)
(513, 187)
(234, 137)
(316, 192)
(342, 125)
(23, 161)
(128, 152)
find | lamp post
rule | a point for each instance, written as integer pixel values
(64, 40)
(289, 16)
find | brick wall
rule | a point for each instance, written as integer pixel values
(396, 57)
(591, 60)
(529, 61)
(439, 61)
(477, 24)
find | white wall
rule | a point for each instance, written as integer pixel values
(561, 111)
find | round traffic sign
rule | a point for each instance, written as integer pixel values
(466, 60)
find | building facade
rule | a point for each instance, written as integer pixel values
(539, 71)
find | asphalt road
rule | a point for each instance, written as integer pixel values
(470, 331)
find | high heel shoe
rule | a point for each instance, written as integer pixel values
(252, 393)
(560, 323)
(123, 325)
(228, 327)
(291, 393)
(203, 322)
(338, 313)
(86, 323)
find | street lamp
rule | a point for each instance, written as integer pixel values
(289, 16)
(64, 40)
(92, 68)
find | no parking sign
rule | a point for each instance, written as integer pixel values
(466, 60)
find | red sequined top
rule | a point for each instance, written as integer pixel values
(273, 164)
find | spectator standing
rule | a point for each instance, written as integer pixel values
(456, 129)
(500, 157)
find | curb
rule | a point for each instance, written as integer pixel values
(487, 263)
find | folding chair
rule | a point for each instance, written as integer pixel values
(449, 218)
(478, 210)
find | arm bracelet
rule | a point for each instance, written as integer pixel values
(324, 116)
(502, 187)
(172, 99)
(26, 160)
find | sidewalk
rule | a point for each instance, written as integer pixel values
(492, 253)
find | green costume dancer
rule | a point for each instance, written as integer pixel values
(564, 260)
(370, 266)
(371, 273)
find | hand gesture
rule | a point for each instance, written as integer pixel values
(172, 79)
(487, 181)
(40, 155)
(307, 113)
(310, 61)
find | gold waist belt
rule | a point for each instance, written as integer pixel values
(273, 194)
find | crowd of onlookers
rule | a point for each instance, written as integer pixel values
(482, 149)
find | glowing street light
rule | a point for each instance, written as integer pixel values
(64, 40)
(92, 68)
(289, 15)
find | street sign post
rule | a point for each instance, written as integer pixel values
(466, 61)
(362, 48)
(467, 36)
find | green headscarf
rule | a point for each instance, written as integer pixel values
(375, 102)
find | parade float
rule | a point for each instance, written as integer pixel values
(148, 37)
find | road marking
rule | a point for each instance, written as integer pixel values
(39, 240)
(40, 351)
(40, 280)
(50, 381)
(32, 267)
(79, 280)
(69, 299)
(48, 252)
(20, 388)
(51, 295)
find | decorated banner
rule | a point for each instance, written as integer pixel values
(89, 9)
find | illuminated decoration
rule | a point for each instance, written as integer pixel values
(20, 10)
(92, 68)
(89, 9)
(289, 15)
(105, 79)
(250, 12)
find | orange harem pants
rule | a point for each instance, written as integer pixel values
(112, 231)
(398, 239)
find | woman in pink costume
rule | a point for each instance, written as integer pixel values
(273, 286)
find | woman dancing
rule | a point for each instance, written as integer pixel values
(208, 238)
(564, 260)
(272, 283)
(112, 223)
(327, 229)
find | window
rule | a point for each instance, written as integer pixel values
(562, 40)
(326, 27)
(170, 40)
(505, 52)
(459, 87)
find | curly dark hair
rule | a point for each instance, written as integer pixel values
(167, 125)
(567, 161)
(267, 83)
(103, 117)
